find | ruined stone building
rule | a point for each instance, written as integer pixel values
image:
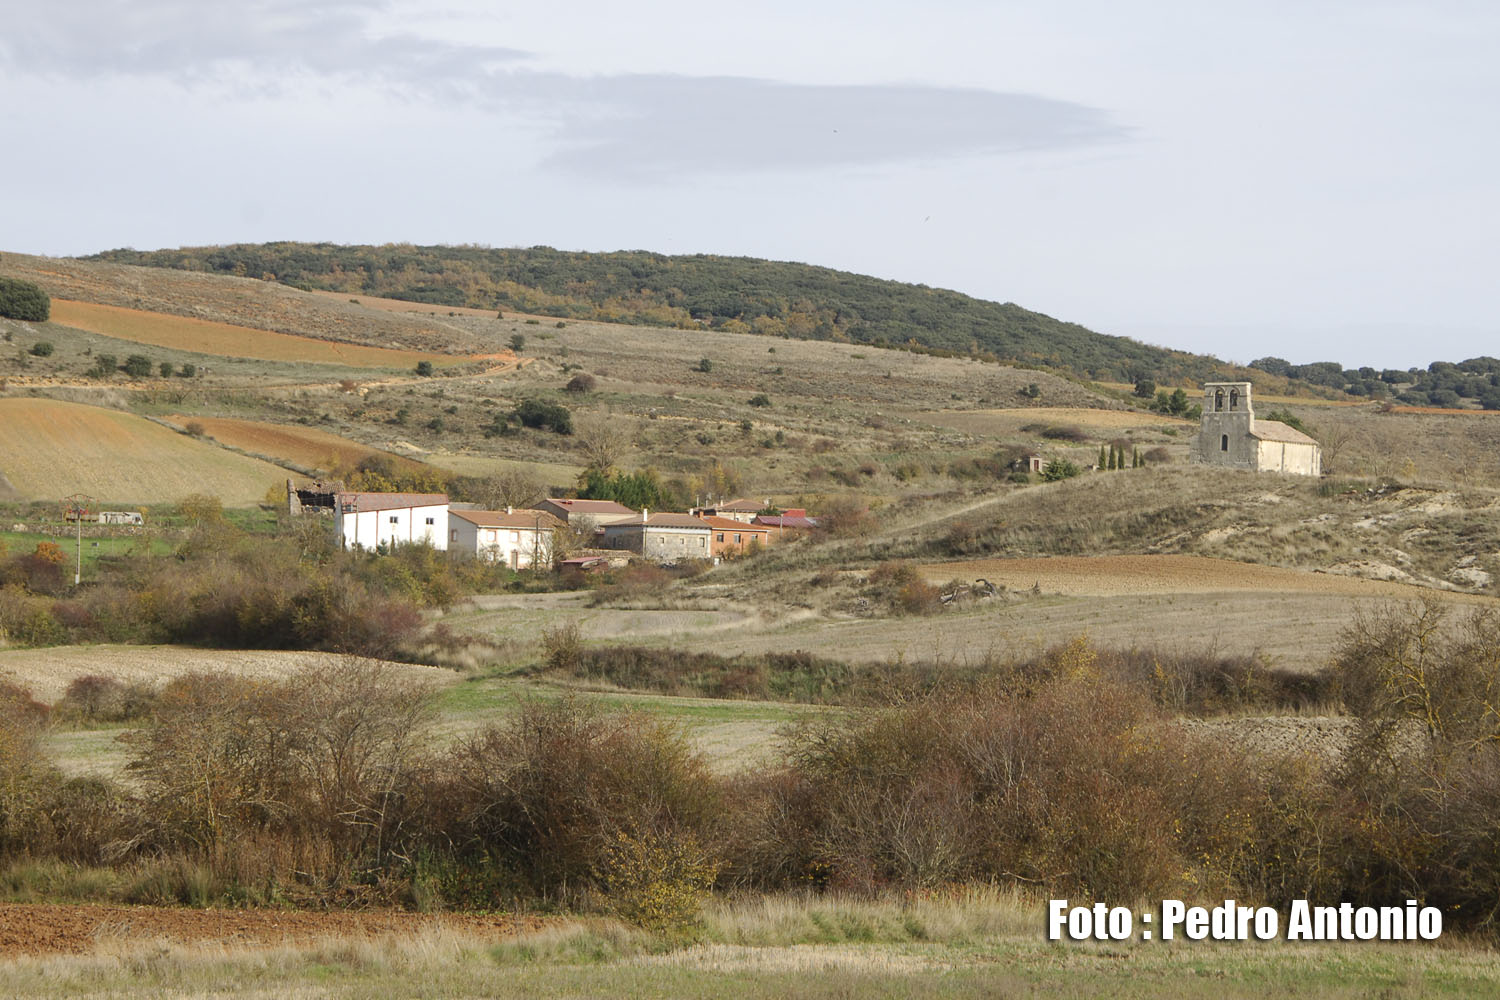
(1231, 436)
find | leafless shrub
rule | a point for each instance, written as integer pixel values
(548, 795)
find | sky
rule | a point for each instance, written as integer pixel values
(1314, 180)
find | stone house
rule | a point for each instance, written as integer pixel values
(1231, 436)
(660, 537)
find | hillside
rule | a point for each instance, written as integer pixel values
(51, 449)
(736, 294)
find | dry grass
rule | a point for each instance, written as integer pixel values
(1113, 576)
(303, 446)
(51, 449)
(48, 672)
(1006, 422)
(760, 948)
(207, 337)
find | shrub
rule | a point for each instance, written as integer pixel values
(517, 342)
(195, 428)
(165, 369)
(760, 400)
(548, 795)
(105, 365)
(537, 413)
(137, 366)
(305, 780)
(1060, 468)
(42, 349)
(582, 382)
(1065, 432)
(24, 300)
(704, 365)
(424, 368)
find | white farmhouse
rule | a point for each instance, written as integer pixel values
(367, 520)
(1231, 436)
(518, 538)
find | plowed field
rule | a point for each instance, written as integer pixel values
(47, 672)
(303, 446)
(39, 929)
(186, 334)
(50, 449)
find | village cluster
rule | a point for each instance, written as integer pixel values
(528, 538)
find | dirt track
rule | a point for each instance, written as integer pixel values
(41, 928)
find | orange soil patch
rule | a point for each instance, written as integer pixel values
(206, 337)
(49, 449)
(1109, 576)
(44, 928)
(300, 445)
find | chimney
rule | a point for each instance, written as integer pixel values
(645, 515)
(508, 509)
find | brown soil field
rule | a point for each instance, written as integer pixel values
(1111, 576)
(47, 672)
(303, 446)
(51, 449)
(207, 337)
(41, 929)
(243, 301)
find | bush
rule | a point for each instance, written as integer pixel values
(165, 369)
(557, 793)
(424, 368)
(539, 414)
(582, 382)
(1060, 468)
(306, 781)
(760, 400)
(137, 366)
(1062, 788)
(42, 349)
(187, 371)
(105, 365)
(24, 300)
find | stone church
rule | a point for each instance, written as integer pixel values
(1232, 436)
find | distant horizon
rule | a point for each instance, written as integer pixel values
(1388, 336)
(1306, 181)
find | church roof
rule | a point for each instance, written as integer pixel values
(1275, 430)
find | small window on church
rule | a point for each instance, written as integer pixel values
(1223, 442)
(1219, 400)
(1234, 399)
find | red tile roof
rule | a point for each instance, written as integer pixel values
(389, 501)
(528, 519)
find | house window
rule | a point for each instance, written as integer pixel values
(737, 539)
(721, 537)
(1219, 400)
(431, 520)
(453, 535)
(1223, 442)
(1234, 399)
(701, 542)
(395, 519)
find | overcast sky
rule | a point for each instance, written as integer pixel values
(1313, 179)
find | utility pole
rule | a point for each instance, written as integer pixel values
(77, 506)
